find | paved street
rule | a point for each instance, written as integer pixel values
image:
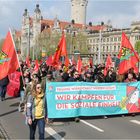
(116, 127)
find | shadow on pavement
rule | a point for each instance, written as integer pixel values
(7, 113)
(14, 105)
(62, 134)
(9, 98)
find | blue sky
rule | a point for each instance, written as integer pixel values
(120, 12)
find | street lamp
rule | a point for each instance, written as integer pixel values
(76, 53)
(28, 47)
(100, 45)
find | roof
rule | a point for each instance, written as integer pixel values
(63, 25)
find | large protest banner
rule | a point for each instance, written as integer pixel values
(72, 99)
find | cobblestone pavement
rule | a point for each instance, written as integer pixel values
(3, 133)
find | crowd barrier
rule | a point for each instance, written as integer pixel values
(73, 99)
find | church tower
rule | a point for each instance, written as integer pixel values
(78, 11)
(25, 33)
(37, 21)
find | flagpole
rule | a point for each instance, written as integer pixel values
(17, 57)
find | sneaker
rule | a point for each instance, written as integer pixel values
(77, 120)
(133, 115)
(105, 117)
(2, 98)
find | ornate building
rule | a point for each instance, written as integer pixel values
(109, 41)
(101, 39)
(31, 27)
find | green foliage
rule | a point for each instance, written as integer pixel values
(137, 47)
(47, 42)
(1, 43)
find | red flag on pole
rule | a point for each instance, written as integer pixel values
(108, 64)
(79, 65)
(8, 57)
(60, 51)
(49, 61)
(73, 61)
(36, 68)
(28, 62)
(90, 62)
(127, 55)
(67, 61)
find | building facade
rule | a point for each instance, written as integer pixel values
(109, 42)
(101, 39)
(31, 27)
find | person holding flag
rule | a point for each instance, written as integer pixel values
(8, 63)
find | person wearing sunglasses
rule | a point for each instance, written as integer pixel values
(36, 111)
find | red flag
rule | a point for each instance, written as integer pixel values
(41, 62)
(8, 57)
(79, 65)
(60, 51)
(91, 62)
(36, 68)
(127, 55)
(108, 64)
(28, 62)
(73, 61)
(49, 61)
(67, 61)
(14, 84)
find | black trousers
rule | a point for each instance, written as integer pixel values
(3, 91)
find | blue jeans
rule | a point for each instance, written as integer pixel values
(22, 95)
(41, 128)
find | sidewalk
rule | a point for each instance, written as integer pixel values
(3, 134)
(12, 122)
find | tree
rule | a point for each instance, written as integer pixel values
(80, 43)
(137, 46)
(46, 42)
(1, 43)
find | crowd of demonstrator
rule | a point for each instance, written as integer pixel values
(33, 83)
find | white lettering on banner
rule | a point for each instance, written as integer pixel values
(65, 106)
(84, 88)
(84, 97)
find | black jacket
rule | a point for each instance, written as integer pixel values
(4, 81)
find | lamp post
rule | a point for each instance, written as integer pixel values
(76, 53)
(100, 45)
(28, 48)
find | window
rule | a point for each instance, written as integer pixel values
(119, 38)
(107, 39)
(107, 48)
(118, 48)
(115, 39)
(103, 49)
(114, 48)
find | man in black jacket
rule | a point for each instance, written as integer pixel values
(3, 87)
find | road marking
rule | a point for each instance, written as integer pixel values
(135, 121)
(93, 126)
(53, 133)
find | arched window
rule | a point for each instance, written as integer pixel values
(107, 48)
(114, 48)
